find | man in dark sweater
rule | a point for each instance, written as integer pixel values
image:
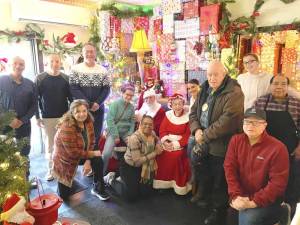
(53, 96)
(18, 94)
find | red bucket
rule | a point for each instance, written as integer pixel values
(44, 208)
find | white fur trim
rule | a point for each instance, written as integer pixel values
(177, 120)
(164, 138)
(150, 111)
(162, 184)
(176, 145)
(148, 93)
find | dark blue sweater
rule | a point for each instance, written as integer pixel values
(21, 98)
(53, 95)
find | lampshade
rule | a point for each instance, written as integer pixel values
(140, 42)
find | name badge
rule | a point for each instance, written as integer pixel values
(204, 107)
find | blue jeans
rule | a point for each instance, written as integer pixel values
(107, 151)
(269, 215)
(191, 144)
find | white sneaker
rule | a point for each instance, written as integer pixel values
(49, 177)
(109, 177)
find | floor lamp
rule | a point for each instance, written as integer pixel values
(140, 45)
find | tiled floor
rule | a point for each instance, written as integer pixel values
(162, 209)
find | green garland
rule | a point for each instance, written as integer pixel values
(33, 31)
(126, 13)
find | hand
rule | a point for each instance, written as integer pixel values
(199, 136)
(158, 149)
(97, 153)
(167, 145)
(117, 141)
(40, 123)
(15, 123)
(86, 167)
(95, 107)
(296, 153)
(239, 203)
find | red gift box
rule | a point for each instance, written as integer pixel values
(141, 22)
(115, 26)
(209, 19)
(157, 26)
(192, 9)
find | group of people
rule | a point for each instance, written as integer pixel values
(238, 141)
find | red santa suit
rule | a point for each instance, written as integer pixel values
(173, 165)
(154, 110)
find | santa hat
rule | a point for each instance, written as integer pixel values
(174, 97)
(149, 93)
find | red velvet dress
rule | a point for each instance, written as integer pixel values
(173, 166)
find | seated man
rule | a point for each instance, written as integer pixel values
(151, 108)
(256, 169)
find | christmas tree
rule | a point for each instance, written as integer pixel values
(13, 166)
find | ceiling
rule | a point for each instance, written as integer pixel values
(91, 3)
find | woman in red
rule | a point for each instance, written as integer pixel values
(173, 165)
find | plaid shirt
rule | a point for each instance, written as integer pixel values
(293, 106)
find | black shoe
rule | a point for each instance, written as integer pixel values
(99, 192)
(212, 219)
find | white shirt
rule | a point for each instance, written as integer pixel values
(253, 86)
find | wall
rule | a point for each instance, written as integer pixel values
(6, 21)
(272, 12)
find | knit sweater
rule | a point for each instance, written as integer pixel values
(89, 83)
(125, 125)
(253, 86)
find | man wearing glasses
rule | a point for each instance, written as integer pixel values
(256, 169)
(283, 117)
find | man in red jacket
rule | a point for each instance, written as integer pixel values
(256, 169)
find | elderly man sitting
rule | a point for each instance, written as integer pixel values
(256, 169)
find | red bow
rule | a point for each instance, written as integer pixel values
(5, 60)
(69, 38)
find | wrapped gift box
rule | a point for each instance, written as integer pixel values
(141, 22)
(191, 9)
(104, 24)
(192, 58)
(180, 50)
(209, 19)
(115, 26)
(157, 11)
(167, 48)
(157, 26)
(125, 41)
(175, 87)
(187, 28)
(168, 24)
(172, 71)
(289, 60)
(127, 26)
(170, 6)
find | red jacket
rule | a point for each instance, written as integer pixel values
(259, 172)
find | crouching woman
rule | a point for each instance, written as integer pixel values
(139, 167)
(73, 145)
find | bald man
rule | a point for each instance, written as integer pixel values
(52, 104)
(19, 94)
(216, 115)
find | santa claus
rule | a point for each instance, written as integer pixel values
(151, 108)
(149, 85)
(173, 165)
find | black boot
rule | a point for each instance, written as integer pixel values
(99, 191)
(213, 218)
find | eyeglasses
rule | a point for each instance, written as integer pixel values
(249, 62)
(253, 123)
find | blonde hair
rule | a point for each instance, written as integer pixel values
(68, 117)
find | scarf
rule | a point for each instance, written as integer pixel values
(149, 167)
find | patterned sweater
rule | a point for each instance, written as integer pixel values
(89, 83)
(69, 149)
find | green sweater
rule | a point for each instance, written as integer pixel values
(126, 124)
